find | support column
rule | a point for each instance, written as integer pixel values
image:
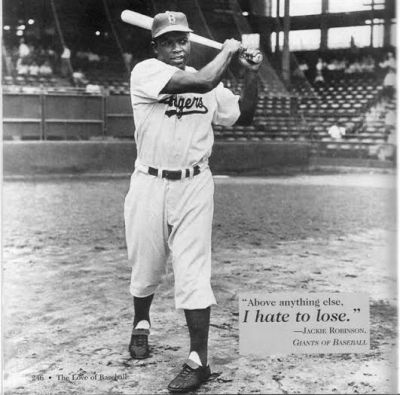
(277, 28)
(387, 30)
(324, 25)
(371, 37)
(286, 53)
(268, 10)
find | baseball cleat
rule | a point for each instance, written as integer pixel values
(190, 377)
(139, 346)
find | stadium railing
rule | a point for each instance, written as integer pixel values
(65, 113)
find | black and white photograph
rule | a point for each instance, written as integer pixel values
(199, 196)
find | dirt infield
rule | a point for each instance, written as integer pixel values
(68, 311)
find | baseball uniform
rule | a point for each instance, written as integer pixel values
(164, 216)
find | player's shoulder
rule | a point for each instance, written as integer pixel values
(146, 66)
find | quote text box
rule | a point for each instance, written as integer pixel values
(285, 323)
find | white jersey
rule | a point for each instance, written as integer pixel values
(175, 131)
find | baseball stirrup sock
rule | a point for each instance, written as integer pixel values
(142, 309)
(198, 322)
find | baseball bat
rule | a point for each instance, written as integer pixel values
(145, 22)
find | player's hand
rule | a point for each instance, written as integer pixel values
(231, 46)
(250, 58)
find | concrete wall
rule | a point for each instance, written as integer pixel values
(75, 157)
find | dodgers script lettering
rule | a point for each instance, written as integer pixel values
(184, 106)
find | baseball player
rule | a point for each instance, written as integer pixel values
(169, 206)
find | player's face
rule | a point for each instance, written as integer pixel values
(173, 48)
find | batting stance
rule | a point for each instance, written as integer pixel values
(169, 206)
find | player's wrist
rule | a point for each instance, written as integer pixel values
(228, 52)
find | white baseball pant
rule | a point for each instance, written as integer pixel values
(171, 216)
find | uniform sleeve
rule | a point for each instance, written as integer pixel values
(227, 111)
(148, 78)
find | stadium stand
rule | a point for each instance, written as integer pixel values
(349, 92)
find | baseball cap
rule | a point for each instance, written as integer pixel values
(169, 21)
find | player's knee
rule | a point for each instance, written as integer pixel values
(142, 290)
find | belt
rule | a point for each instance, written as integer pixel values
(174, 174)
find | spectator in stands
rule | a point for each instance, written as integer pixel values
(45, 69)
(34, 69)
(388, 150)
(342, 64)
(127, 60)
(389, 82)
(351, 68)
(303, 66)
(389, 62)
(390, 121)
(65, 61)
(392, 138)
(301, 70)
(22, 67)
(23, 49)
(354, 67)
(334, 67)
(319, 67)
(336, 131)
(93, 59)
(79, 78)
(368, 64)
